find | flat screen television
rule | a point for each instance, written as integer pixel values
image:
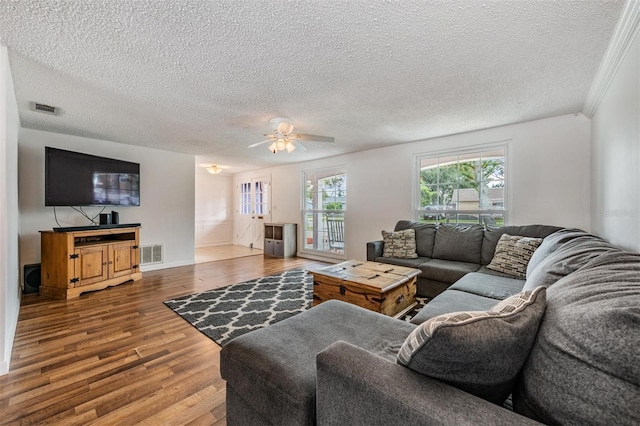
(77, 179)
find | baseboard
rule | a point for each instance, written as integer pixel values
(157, 266)
(313, 256)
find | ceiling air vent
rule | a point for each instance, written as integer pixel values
(47, 109)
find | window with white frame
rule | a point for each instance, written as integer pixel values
(246, 205)
(323, 213)
(462, 186)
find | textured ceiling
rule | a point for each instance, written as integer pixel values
(205, 77)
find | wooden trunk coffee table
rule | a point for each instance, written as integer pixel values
(380, 287)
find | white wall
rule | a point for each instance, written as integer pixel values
(167, 195)
(9, 219)
(548, 164)
(213, 208)
(615, 154)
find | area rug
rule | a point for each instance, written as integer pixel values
(225, 313)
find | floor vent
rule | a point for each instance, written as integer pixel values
(151, 254)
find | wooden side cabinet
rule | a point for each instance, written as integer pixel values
(74, 262)
(280, 239)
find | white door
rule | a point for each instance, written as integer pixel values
(254, 212)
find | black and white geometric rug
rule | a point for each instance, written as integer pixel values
(225, 313)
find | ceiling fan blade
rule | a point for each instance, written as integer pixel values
(259, 143)
(314, 138)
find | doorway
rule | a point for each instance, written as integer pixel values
(254, 211)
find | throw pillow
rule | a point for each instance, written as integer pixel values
(399, 244)
(478, 352)
(513, 254)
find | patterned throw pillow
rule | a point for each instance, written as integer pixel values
(478, 352)
(399, 244)
(512, 255)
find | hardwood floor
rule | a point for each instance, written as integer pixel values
(212, 254)
(120, 356)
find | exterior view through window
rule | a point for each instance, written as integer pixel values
(463, 187)
(325, 204)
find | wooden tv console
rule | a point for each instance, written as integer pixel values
(74, 262)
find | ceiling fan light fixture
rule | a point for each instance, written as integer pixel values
(290, 146)
(214, 169)
(273, 148)
(285, 127)
(281, 144)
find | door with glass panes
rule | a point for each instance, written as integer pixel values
(253, 211)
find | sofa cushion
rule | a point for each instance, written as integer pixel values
(459, 242)
(452, 301)
(513, 253)
(584, 367)
(410, 263)
(497, 288)
(571, 256)
(400, 244)
(425, 235)
(447, 271)
(552, 243)
(274, 368)
(492, 234)
(480, 352)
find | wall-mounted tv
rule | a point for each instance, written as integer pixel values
(77, 179)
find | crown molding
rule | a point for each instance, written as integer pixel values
(623, 35)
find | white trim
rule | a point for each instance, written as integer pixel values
(623, 36)
(415, 181)
(311, 253)
(157, 266)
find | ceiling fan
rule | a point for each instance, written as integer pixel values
(282, 139)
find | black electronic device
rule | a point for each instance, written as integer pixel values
(78, 179)
(94, 227)
(115, 218)
(105, 219)
(32, 278)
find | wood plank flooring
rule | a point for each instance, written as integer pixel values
(213, 254)
(120, 356)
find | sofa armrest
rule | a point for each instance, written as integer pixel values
(374, 250)
(355, 386)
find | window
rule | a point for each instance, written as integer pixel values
(245, 198)
(462, 187)
(325, 204)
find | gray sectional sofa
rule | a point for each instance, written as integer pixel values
(338, 364)
(447, 253)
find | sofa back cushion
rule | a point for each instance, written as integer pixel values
(570, 257)
(552, 243)
(480, 352)
(459, 242)
(425, 235)
(492, 235)
(584, 367)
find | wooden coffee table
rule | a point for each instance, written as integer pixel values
(380, 287)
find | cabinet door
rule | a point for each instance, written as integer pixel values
(91, 265)
(121, 259)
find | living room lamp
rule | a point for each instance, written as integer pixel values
(214, 169)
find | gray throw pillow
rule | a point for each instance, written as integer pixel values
(480, 352)
(400, 244)
(513, 254)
